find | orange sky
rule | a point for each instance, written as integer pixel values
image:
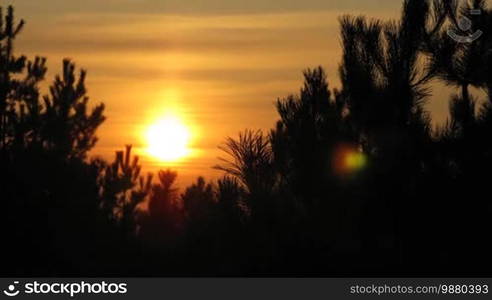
(218, 64)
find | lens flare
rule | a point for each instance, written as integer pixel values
(347, 160)
(355, 160)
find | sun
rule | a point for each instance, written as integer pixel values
(168, 139)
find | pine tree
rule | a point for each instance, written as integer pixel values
(123, 190)
(68, 126)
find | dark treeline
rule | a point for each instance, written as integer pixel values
(350, 182)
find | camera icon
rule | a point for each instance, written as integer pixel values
(11, 290)
(465, 24)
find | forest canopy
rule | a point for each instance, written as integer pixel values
(350, 181)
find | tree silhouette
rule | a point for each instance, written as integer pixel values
(230, 200)
(27, 128)
(16, 94)
(123, 189)
(349, 182)
(310, 126)
(68, 127)
(463, 140)
(385, 75)
(251, 162)
(198, 201)
(52, 202)
(163, 221)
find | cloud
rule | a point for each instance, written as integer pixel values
(200, 6)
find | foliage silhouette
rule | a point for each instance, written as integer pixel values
(50, 190)
(67, 126)
(350, 182)
(163, 207)
(123, 189)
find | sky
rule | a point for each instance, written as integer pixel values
(218, 64)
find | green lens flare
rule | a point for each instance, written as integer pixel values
(355, 161)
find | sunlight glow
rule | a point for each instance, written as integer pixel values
(168, 139)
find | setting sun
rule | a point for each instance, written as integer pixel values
(168, 139)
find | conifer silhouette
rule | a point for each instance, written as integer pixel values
(68, 126)
(162, 223)
(123, 189)
(286, 204)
